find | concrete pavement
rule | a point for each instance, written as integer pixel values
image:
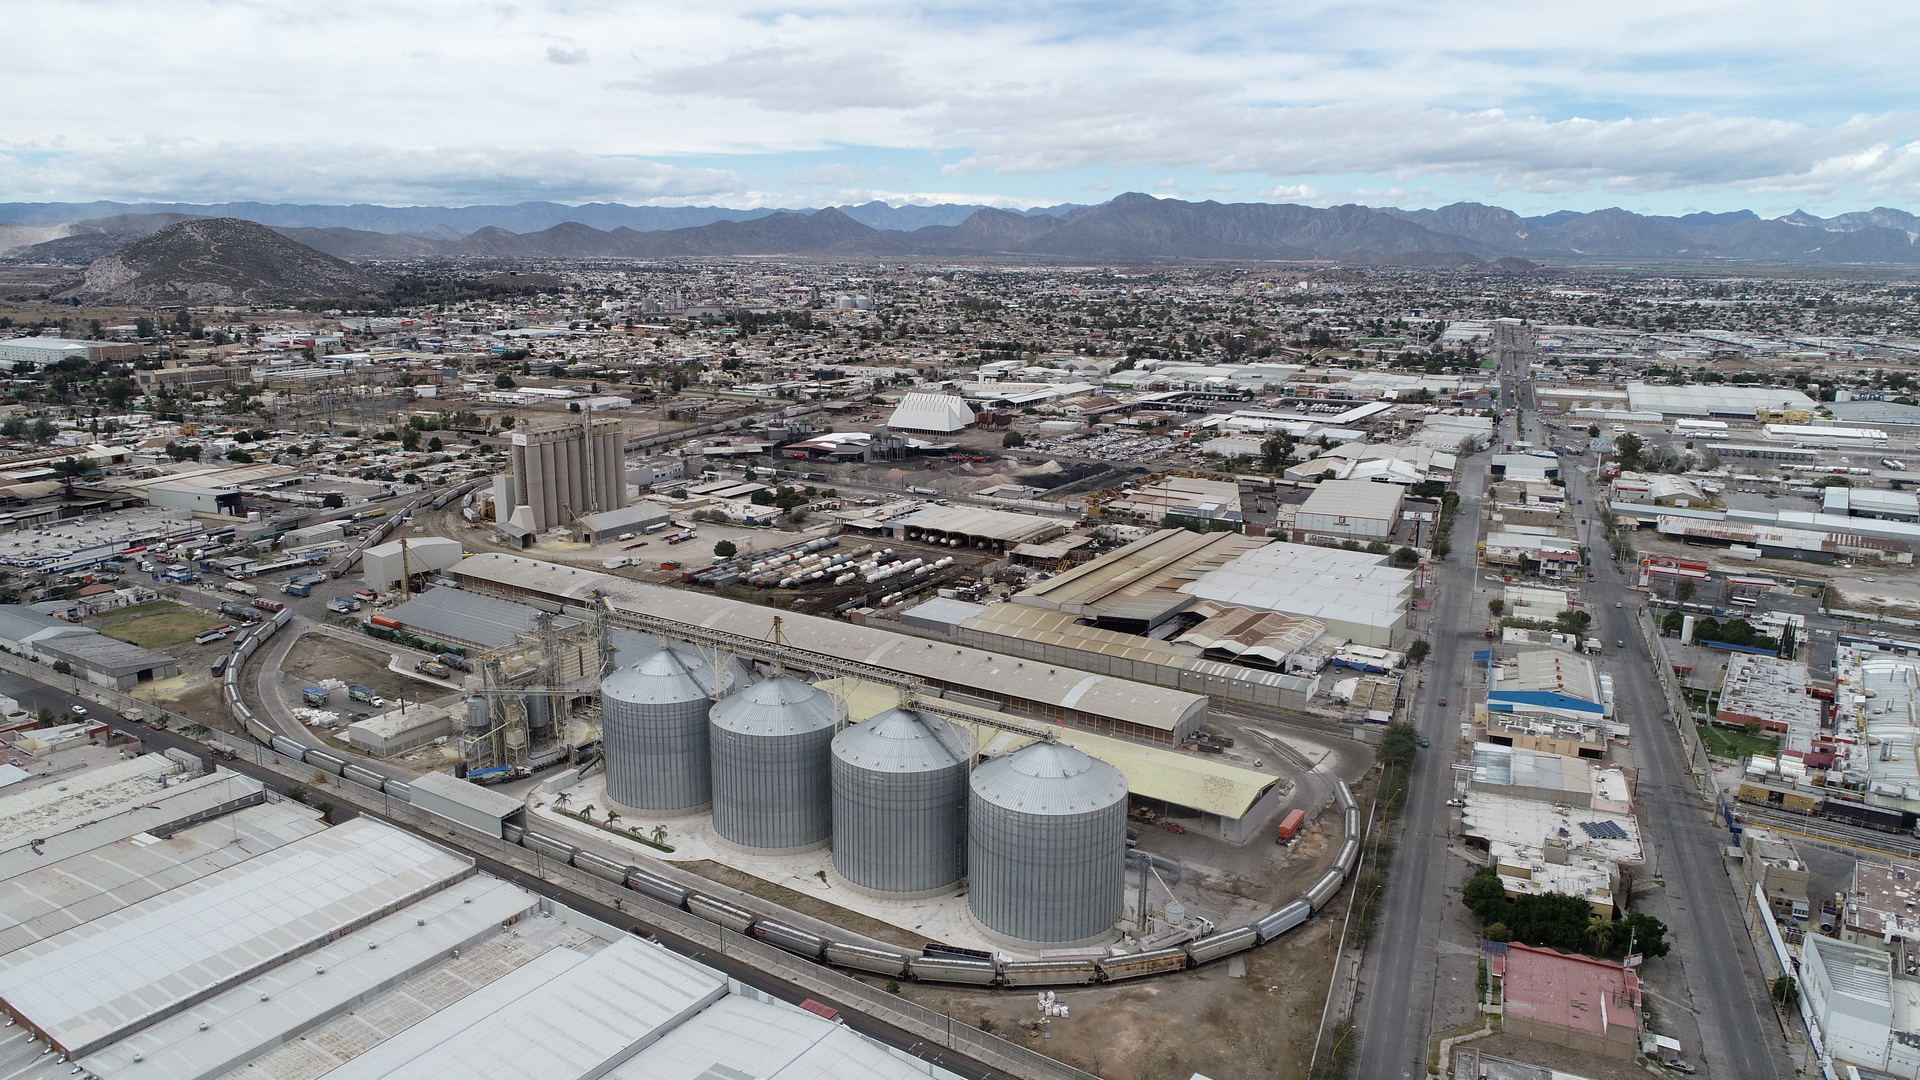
(1397, 979)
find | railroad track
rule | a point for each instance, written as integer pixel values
(1886, 843)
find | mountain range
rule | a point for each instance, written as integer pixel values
(216, 261)
(1131, 227)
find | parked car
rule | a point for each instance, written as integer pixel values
(1680, 1066)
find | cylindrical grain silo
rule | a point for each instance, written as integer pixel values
(631, 646)
(478, 720)
(900, 805)
(653, 719)
(772, 782)
(1047, 845)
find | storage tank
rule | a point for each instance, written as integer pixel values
(772, 784)
(1047, 845)
(631, 646)
(477, 719)
(900, 805)
(653, 719)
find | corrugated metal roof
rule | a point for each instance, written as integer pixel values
(464, 616)
(93, 984)
(228, 1029)
(559, 1024)
(56, 896)
(1098, 695)
(1205, 784)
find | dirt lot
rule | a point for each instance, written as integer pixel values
(315, 657)
(155, 626)
(1255, 1027)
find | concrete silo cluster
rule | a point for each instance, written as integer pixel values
(1038, 834)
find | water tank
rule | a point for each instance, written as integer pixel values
(900, 805)
(653, 719)
(1047, 845)
(772, 784)
(477, 719)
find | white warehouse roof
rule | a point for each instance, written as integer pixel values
(97, 983)
(1357, 596)
(931, 412)
(562, 1016)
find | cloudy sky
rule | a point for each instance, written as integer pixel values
(1661, 106)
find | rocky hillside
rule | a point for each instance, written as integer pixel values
(217, 261)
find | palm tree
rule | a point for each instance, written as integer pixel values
(563, 798)
(611, 818)
(659, 834)
(1602, 936)
(587, 811)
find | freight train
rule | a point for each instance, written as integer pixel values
(936, 963)
(1884, 819)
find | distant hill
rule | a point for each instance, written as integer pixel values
(217, 261)
(1131, 227)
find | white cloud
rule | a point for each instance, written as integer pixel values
(188, 171)
(1638, 97)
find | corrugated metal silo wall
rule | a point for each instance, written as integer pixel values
(657, 755)
(900, 832)
(773, 791)
(1046, 877)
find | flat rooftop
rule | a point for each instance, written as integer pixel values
(97, 983)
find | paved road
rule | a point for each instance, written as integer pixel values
(1739, 1038)
(1394, 1016)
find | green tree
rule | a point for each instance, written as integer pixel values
(61, 667)
(1276, 451)
(725, 549)
(239, 456)
(1405, 557)
(1786, 991)
(434, 444)
(183, 451)
(42, 431)
(1648, 934)
(1484, 895)
(72, 467)
(409, 438)
(1417, 650)
(1496, 606)
(504, 381)
(1013, 439)
(333, 500)
(1683, 591)
(1628, 448)
(1399, 746)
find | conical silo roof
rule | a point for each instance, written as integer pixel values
(660, 679)
(782, 705)
(899, 740)
(1049, 778)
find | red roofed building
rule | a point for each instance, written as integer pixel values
(1572, 1001)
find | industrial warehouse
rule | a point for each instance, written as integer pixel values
(983, 797)
(256, 940)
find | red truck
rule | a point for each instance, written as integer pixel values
(271, 606)
(1290, 825)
